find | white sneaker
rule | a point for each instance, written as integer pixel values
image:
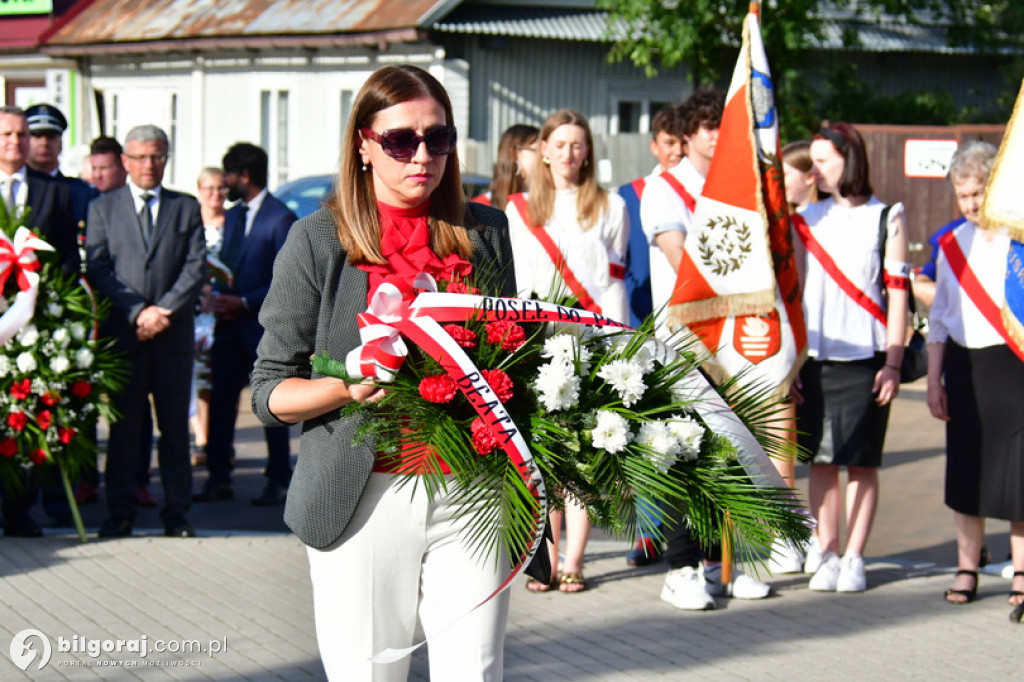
(851, 574)
(785, 557)
(684, 588)
(813, 560)
(741, 587)
(827, 575)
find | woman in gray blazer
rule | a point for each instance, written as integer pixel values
(385, 563)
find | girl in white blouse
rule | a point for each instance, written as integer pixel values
(569, 237)
(855, 301)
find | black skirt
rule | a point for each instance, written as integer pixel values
(985, 431)
(839, 421)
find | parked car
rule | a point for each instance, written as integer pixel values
(305, 195)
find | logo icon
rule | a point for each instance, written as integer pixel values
(23, 649)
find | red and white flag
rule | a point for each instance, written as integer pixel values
(737, 286)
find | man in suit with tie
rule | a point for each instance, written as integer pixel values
(254, 231)
(50, 216)
(146, 252)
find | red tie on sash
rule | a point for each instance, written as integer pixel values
(833, 271)
(972, 287)
(549, 246)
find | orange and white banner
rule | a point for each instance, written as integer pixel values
(738, 287)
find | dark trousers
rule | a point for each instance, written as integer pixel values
(167, 377)
(231, 361)
(683, 547)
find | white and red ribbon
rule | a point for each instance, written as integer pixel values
(397, 310)
(18, 258)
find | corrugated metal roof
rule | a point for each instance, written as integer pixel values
(126, 21)
(591, 25)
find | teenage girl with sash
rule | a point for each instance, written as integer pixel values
(517, 155)
(855, 300)
(569, 236)
(976, 381)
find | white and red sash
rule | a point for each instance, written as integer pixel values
(971, 285)
(578, 289)
(815, 248)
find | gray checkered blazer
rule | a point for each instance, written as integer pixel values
(312, 305)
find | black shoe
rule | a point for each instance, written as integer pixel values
(217, 493)
(179, 528)
(273, 493)
(115, 528)
(22, 528)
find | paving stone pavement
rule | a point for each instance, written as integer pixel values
(241, 590)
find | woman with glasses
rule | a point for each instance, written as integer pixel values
(386, 561)
(855, 300)
(212, 192)
(569, 235)
(517, 152)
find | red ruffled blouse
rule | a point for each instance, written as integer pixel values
(405, 244)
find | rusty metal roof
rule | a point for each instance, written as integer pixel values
(231, 22)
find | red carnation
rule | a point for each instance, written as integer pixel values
(8, 447)
(484, 441)
(44, 419)
(456, 288)
(464, 337)
(439, 388)
(65, 434)
(81, 389)
(50, 398)
(509, 334)
(21, 389)
(38, 456)
(500, 382)
(17, 420)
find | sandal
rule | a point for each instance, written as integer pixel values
(537, 586)
(574, 580)
(968, 595)
(1016, 596)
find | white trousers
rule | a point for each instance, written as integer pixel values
(399, 572)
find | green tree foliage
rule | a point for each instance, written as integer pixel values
(703, 36)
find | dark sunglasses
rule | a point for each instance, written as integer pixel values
(402, 143)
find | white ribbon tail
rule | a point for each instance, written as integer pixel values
(21, 311)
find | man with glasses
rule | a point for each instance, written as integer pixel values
(254, 231)
(146, 252)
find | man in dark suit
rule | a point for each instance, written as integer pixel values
(46, 126)
(146, 252)
(50, 216)
(254, 231)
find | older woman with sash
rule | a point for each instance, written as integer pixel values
(976, 381)
(569, 236)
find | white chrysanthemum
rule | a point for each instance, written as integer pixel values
(78, 331)
(689, 433)
(558, 387)
(611, 433)
(645, 356)
(61, 336)
(83, 358)
(26, 362)
(39, 386)
(561, 347)
(626, 377)
(55, 309)
(5, 365)
(662, 446)
(60, 364)
(28, 336)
